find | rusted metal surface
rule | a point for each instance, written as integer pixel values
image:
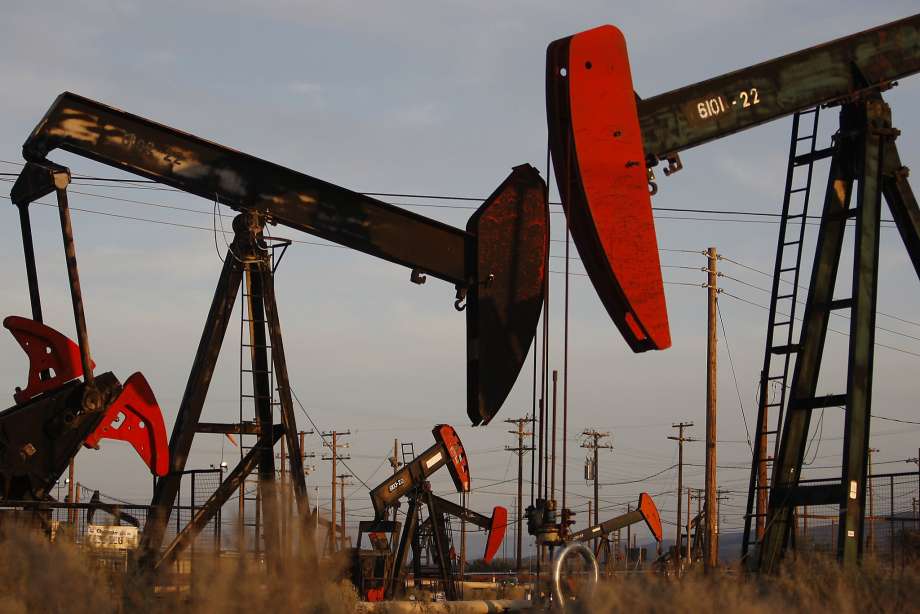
(504, 304)
(137, 145)
(600, 167)
(833, 71)
(39, 437)
(498, 264)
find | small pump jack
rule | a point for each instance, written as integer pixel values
(645, 511)
(552, 530)
(378, 573)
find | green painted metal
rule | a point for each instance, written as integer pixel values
(876, 130)
(901, 203)
(788, 465)
(735, 101)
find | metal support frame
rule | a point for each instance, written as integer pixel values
(244, 255)
(437, 508)
(864, 152)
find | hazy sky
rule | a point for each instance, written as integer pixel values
(427, 98)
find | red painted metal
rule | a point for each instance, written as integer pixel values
(650, 514)
(376, 594)
(496, 532)
(48, 350)
(599, 161)
(135, 417)
(457, 466)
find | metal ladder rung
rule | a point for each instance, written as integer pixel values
(787, 269)
(780, 350)
(813, 156)
(783, 323)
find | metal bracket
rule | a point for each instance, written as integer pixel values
(674, 163)
(417, 277)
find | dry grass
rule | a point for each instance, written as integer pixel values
(812, 585)
(38, 576)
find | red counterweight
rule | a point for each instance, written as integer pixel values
(496, 532)
(650, 514)
(48, 350)
(599, 160)
(135, 417)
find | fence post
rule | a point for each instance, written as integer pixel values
(891, 518)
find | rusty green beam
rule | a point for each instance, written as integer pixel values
(711, 109)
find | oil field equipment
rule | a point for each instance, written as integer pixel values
(646, 511)
(378, 573)
(498, 265)
(64, 404)
(605, 141)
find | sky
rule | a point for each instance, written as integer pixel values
(432, 99)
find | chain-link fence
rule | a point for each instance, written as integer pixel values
(108, 527)
(892, 527)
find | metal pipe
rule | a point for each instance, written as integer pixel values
(25, 225)
(73, 275)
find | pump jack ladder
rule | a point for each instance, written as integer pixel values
(598, 131)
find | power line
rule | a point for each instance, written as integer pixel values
(839, 332)
(731, 363)
(774, 217)
(801, 287)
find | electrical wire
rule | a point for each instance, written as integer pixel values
(731, 363)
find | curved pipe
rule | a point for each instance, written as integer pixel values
(589, 558)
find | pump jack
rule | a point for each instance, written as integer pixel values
(497, 265)
(645, 511)
(605, 141)
(57, 413)
(378, 573)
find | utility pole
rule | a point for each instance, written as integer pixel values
(680, 439)
(342, 485)
(711, 558)
(689, 556)
(334, 456)
(592, 442)
(519, 450)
